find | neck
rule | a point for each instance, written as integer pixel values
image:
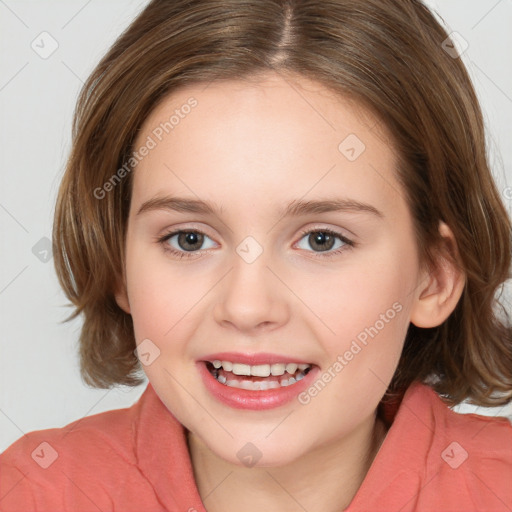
(324, 479)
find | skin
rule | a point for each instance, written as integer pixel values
(252, 147)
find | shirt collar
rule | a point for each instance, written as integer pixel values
(163, 458)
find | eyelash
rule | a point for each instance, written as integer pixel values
(192, 254)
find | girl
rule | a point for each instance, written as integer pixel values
(282, 211)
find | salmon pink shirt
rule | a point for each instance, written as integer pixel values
(136, 459)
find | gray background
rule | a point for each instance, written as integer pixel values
(40, 385)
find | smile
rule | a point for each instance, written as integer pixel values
(257, 377)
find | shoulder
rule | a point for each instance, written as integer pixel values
(88, 456)
(468, 456)
(436, 459)
(108, 432)
(483, 437)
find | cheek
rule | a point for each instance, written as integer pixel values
(365, 311)
(167, 300)
(368, 310)
(151, 292)
(357, 296)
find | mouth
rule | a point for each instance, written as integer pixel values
(258, 381)
(261, 377)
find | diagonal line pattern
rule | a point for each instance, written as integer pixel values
(403, 404)
(197, 401)
(3, 3)
(14, 76)
(88, 412)
(490, 490)
(7, 493)
(165, 165)
(304, 195)
(208, 84)
(303, 97)
(301, 300)
(381, 380)
(197, 302)
(417, 493)
(72, 72)
(203, 498)
(13, 423)
(492, 81)
(486, 14)
(368, 368)
(384, 179)
(85, 494)
(76, 14)
(12, 280)
(14, 218)
(486, 424)
(286, 491)
(280, 423)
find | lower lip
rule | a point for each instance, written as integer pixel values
(250, 399)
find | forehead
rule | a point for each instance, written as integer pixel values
(289, 97)
(279, 133)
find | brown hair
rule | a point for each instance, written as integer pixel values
(386, 54)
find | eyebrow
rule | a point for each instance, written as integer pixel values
(294, 208)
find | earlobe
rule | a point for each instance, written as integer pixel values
(442, 287)
(121, 296)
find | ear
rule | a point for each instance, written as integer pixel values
(121, 296)
(442, 285)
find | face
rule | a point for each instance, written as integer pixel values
(268, 233)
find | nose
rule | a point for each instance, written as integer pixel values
(251, 299)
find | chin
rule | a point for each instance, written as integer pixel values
(259, 454)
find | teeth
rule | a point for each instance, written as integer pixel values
(278, 369)
(261, 370)
(288, 382)
(239, 369)
(292, 373)
(268, 385)
(260, 385)
(245, 384)
(291, 368)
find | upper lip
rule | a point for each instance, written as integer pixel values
(253, 359)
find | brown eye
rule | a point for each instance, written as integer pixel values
(184, 241)
(321, 241)
(324, 241)
(190, 240)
